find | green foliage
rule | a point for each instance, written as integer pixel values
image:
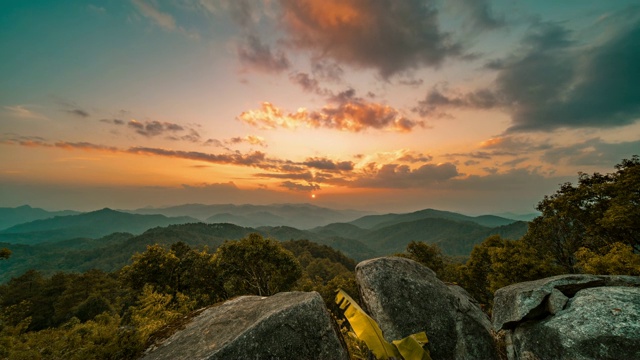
(498, 262)
(5, 253)
(429, 255)
(616, 259)
(601, 210)
(180, 269)
(254, 265)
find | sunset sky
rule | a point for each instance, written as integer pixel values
(474, 106)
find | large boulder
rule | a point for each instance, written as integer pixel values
(570, 317)
(294, 325)
(537, 299)
(598, 323)
(405, 298)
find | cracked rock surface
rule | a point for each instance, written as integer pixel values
(293, 325)
(575, 317)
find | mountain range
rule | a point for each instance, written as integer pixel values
(106, 239)
(301, 216)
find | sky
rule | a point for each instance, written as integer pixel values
(476, 106)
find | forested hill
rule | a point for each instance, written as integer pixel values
(111, 252)
(93, 224)
(23, 214)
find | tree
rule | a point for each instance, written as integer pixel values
(5, 253)
(618, 260)
(258, 266)
(429, 255)
(180, 269)
(599, 211)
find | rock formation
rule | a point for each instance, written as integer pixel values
(571, 317)
(405, 297)
(294, 325)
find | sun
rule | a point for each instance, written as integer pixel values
(313, 196)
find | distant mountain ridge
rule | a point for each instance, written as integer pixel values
(25, 213)
(379, 221)
(92, 225)
(301, 216)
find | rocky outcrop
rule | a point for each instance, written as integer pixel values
(294, 325)
(571, 317)
(405, 297)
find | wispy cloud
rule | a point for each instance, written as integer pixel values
(254, 55)
(162, 19)
(24, 112)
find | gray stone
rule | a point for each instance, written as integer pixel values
(294, 325)
(556, 302)
(527, 300)
(597, 323)
(405, 298)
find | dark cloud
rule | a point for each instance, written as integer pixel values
(415, 158)
(113, 121)
(478, 14)
(78, 112)
(171, 131)
(213, 142)
(327, 70)
(435, 100)
(402, 176)
(255, 159)
(554, 82)
(254, 55)
(390, 36)
(308, 84)
(295, 176)
(84, 146)
(412, 82)
(592, 152)
(299, 187)
(327, 164)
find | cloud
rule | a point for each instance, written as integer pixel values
(254, 55)
(23, 112)
(156, 128)
(592, 152)
(299, 187)
(78, 112)
(553, 82)
(255, 158)
(327, 70)
(327, 164)
(164, 20)
(250, 139)
(436, 99)
(389, 36)
(392, 176)
(113, 121)
(309, 84)
(478, 14)
(84, 146)
(353, 115)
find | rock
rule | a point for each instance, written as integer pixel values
(516, 303)
(556, 302)
(405, 297)
(294, 325)
(597, 323)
